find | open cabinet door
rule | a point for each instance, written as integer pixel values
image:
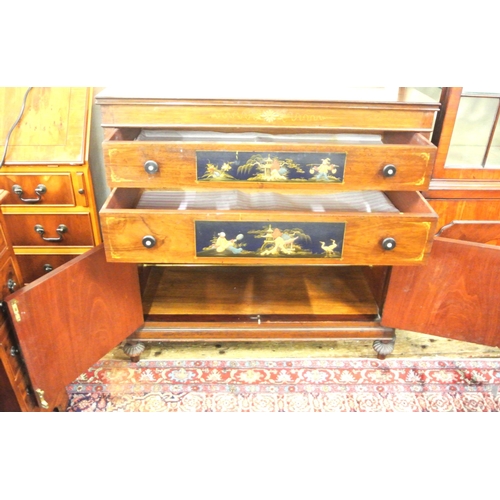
(456, 294)
(67, 320)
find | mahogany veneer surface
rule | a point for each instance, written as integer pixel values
(455, 294)
(52, 129)
(266, 290)
(411, 154)
(90, 305)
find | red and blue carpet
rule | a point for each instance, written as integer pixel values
(289, 385)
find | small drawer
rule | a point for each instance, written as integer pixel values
(38, 189)
(267, 228)
(48, 229)
(11, 355)
(14, 366)
(9, 280)
(36, 266)
(285, 163)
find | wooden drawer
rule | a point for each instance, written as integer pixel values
(30, 229)
(15, 371)
(216, 232)
(10, 354)
(9, 280)
(38, 189)
(36, 266)
(286, 163)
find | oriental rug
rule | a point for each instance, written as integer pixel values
(289, 385)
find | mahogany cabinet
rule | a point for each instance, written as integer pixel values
(255, 219)
(310, 263)
(15, 394)
(50, 208)
(49, 212)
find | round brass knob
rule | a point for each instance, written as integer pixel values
(149, 241)
(388, 243)
(151, 167)
(389, 171)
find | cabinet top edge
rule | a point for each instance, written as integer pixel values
(235, 96)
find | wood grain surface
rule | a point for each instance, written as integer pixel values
(268, 290)
(354, 114)
(124, 228)
(412, 155)
(69, 319)
(455, 295)
(53, 128)
(22, 229)
(59, 188)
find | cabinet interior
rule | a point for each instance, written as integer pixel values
(254, 136)
(263, 293)
(238, 200)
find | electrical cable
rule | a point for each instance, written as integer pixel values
(14, 126)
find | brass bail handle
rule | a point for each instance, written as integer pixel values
(60, 230)
(39, 190)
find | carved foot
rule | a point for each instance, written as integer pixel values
(383, 347)
(134, 350)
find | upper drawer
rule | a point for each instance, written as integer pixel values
(38, 189)
(266, 228)
(286, 163)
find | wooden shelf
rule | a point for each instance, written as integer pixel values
(220, 291)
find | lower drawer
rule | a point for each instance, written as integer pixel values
(50, 229)
(36, 266)
(9, 280)
(235, 229)
(15, 393)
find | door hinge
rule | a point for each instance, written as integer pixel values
(41, 399)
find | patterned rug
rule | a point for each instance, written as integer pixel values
(289, 385)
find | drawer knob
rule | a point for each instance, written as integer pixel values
(60, 230)
(149, 241)
(39, 190)
(47, 268)
(389, 171)
(151, 167)
(11, 285)
(388, 243)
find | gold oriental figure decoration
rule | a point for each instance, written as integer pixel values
(268, 166)
(275, 239)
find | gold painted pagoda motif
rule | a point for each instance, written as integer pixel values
(268, 166)
(270, 239)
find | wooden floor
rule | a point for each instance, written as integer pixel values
(408, 345)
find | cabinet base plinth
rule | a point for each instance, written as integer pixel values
(384, 338)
